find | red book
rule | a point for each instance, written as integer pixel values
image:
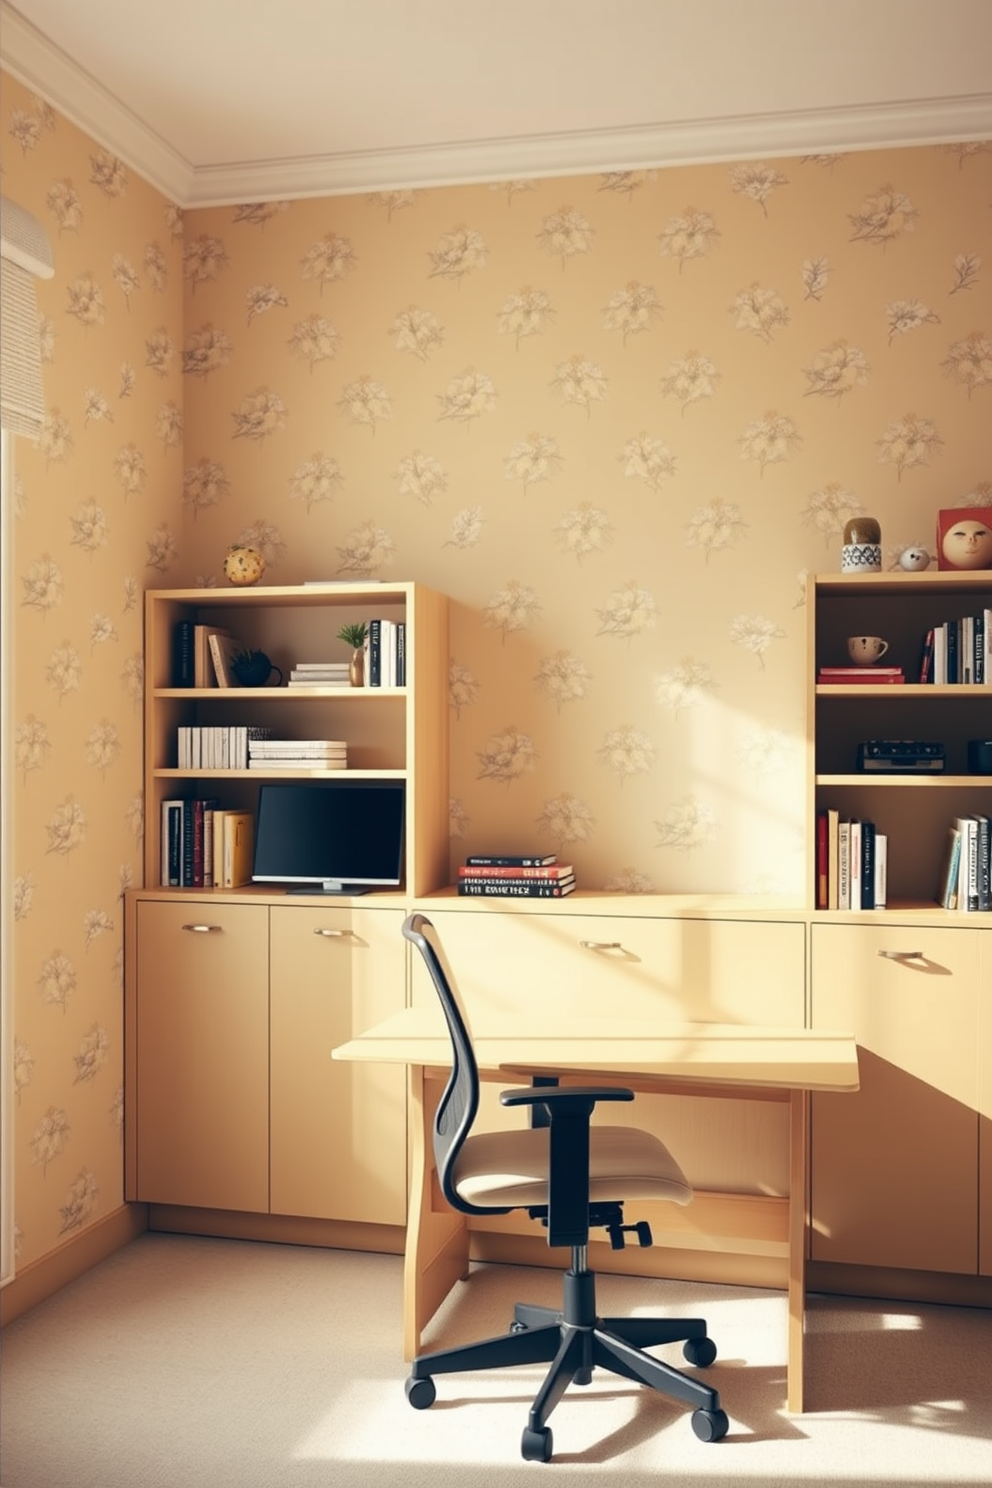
(559, 870)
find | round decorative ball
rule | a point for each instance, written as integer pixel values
(243, 565)
(914, 559)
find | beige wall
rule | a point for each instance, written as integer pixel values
(616, 419)
(92, 503)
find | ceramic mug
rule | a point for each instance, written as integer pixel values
(866, 650)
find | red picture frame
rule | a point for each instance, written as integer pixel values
(966, 531)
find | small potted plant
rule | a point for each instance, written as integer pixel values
(354, 636)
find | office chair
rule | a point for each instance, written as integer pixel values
(569, 1175)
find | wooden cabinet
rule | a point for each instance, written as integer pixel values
(391, 732)
(913, 811)
(985, 1105)
(234, 1102)
(197, 1086)
(338, 1131)
(894, 1166)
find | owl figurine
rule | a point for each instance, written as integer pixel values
(914, 560)
(243, 566)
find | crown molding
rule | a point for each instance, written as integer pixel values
(696, 142)
(29, 57)
(34, 61)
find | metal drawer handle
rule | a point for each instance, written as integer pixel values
(204, 929)
(601, 945)
(333, 934)
(902, 955)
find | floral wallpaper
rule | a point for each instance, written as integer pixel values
(93, 505)
(617, 418)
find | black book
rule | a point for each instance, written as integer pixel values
(867, 865)
(186, 868)
(528, 860)
(953, 650)
(978, 671)
(984, 863)
(182, 654)
(375, 653)
(401, 653)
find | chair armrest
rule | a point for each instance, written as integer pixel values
(551, 1095)
(570, 1108)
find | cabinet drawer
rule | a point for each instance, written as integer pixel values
(200, 1096)
(718, 971)
(894, 1166)
(338, 1131)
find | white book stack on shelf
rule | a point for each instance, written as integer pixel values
(320, 674)
(297, 754)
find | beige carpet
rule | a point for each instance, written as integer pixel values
(194, 1363)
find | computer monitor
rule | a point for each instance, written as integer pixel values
(330, 836)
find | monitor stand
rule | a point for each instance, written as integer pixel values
(330, 886)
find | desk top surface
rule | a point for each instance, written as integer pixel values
(738, 1054)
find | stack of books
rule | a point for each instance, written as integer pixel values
(875, 676)
(959, 651)
(385, 653)
(320, 674)
(217, 746)
(527, 876)
(297, 754)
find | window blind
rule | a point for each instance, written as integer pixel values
(25, 254)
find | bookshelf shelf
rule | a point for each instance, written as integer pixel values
(915, 820)
(392, 733)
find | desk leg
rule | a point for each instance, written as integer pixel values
(798, 1135)
(436, 1236)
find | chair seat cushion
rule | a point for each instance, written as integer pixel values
(509, 1169)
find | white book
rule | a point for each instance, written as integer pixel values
(844, 865)
(310, 763)
(881, 869)
(940, 653)
(321, 666)
(388, 653)
(967, 661)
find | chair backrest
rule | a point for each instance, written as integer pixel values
(458, 1105)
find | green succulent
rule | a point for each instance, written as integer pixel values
(353, 635)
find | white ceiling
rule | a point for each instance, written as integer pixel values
(234, 100)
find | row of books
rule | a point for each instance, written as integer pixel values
(526, 876)
(966, 868)
(217, 747)
(959, 651)
(201, 655)
(385, 653)
(851, 863)
(297, 754)
(203, 847)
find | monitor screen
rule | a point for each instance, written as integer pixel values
(330, 836)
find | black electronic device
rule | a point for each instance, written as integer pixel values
(330, 836)
(901, 756)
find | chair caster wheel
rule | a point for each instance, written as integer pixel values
(710, 1425)
(537, 1444)
(517, 1327)
(420, 1392)
(701, 1351)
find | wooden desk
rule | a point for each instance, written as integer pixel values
(705, 1058)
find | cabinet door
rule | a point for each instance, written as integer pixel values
(894, 1166)
(985, 1105)
(200, 1098)
(338, 1130)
